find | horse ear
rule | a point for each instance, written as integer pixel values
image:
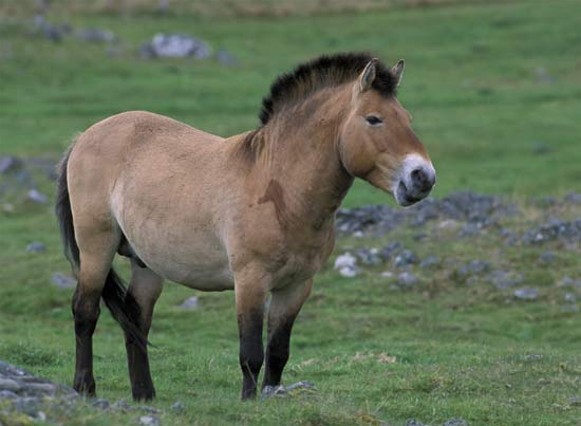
(367, 76)
(397, 71)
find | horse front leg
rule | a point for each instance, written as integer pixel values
(250, 293)
(284, 308)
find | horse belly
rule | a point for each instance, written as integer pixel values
(200, 268)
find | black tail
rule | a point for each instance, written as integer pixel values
(121, 304)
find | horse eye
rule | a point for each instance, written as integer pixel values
(373, 120)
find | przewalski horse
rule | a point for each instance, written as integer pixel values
(253, 213)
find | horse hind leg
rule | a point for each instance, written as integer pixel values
(144, 288)
(283, 310)
(94, 271)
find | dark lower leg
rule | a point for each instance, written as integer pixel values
(277, 352)
(86, 313)
(251, 351)
(138, 361)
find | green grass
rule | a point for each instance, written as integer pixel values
(460, 350)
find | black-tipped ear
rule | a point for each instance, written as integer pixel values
(367, 76)
(397, 71)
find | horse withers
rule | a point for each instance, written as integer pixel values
(253, 212)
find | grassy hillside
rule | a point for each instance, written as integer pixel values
(494, 88)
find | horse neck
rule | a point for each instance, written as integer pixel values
(301, 152)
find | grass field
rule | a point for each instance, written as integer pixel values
(495, 90)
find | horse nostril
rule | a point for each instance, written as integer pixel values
(422, 180)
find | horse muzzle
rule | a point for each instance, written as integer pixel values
(416, 180)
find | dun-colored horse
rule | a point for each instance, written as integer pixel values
(253, 212)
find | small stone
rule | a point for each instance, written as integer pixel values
(226, 58)
(456, 422)
(345, 260)
(95, 35)
(28, 406)
(41, 388)
(369, 257)
(504, 279)
(406, 280)
(270, 391)
(9, 163)
(547, 257)
(6, 394)
(101, 403)
(63, 281)
(575, 401)
(567, 281)
(10, 385)
(533, 357)
(474, 267)
(414, 422)
(573, 198)
(35, 247)
(389, 250)
(178, 407)
(541, 148)
(37, 196)
(405, 258)
(191, 303)
(570, 298)
(430, 262)
(526, 293)
(349, 271)
(302, 385)
(149, 421)
(387, 274)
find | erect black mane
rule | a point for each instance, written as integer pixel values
(324, 71)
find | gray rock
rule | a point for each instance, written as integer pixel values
(430, 262)
(191, 303)
(10, 164)
(10, 385)
(526, 293)
(346, 264)
(369, 257)
(282, 391)
(178, 407)
(474, 267)
(95, 35)
(101, 404)
(35, 247)
(176, 46)
(405, 258)
(567, 281)
(570, 298)
(302, 385)
(554, 229)
(504, 279)
(456, 422)
(389, 250)
(37, 196)
(6, 394)
(414, 422)
(226, 58)
(149, 421)
(573, 198)
(575, 401)
(547, 257)
(349, 271)
(63, 281)
(406, 280)
(270, 391)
